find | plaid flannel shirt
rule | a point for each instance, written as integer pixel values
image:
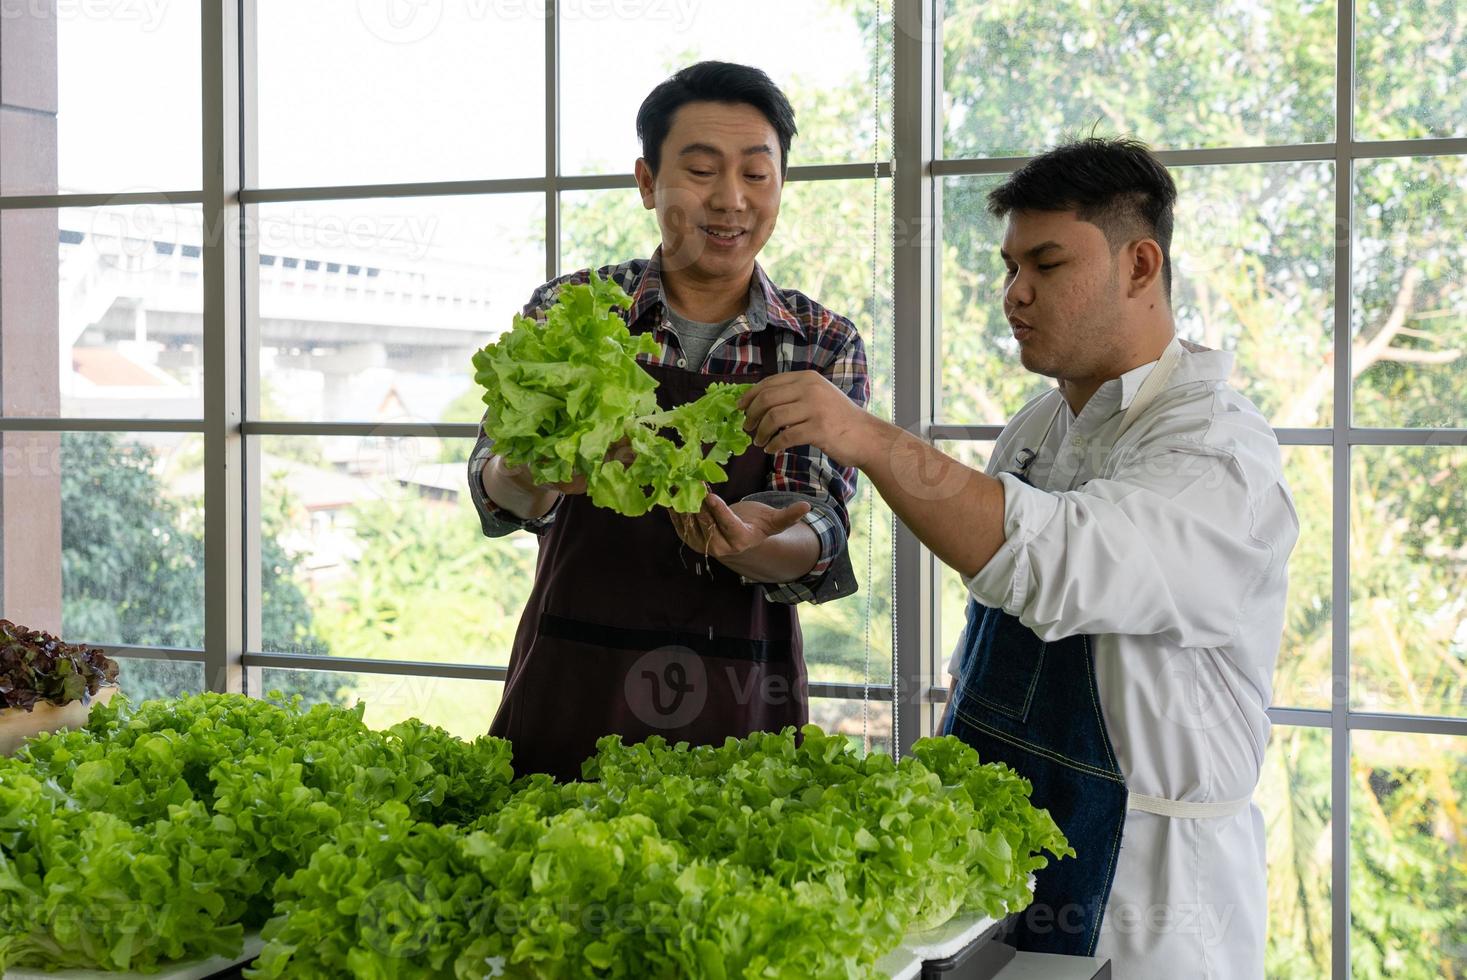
(813, 338)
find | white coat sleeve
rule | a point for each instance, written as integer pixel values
(1164, 546)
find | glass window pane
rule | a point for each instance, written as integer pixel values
(1254, 275)
(1408, 855)
(1410, 307)
(982, 380)
(132, 534)
(103, 537)
(100, 97)
(848, 717)
(144, 679)
(370, 311)
(1302, 677)
(460, 707)
(370, 547)
(389, 92)
(839, 633)
(1410, 73)
(600, 228)
(1018, 77)
(1408, 580)
(823, 249)
(952, 596)
(1255, 271)
(1294, 795)
(102, 312)
(831, 94)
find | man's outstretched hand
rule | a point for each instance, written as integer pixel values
(802, 408)
(722, 530)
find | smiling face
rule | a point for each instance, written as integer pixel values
(716, 191)
(1064, 296)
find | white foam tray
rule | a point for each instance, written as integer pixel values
(186, 970)
(905, 962)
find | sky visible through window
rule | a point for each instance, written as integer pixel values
(468, 77)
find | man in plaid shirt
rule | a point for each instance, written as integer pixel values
(622, 601)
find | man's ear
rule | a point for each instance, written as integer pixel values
(646, 184)
(1146, 266)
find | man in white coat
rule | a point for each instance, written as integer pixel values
(1126, 557)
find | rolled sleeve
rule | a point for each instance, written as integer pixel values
(495, 521)
(1166, 547)
(806, 473)
(832, 576)
(1005, 580)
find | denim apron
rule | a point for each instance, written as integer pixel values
(1035, 707)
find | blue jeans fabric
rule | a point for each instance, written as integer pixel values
(1033, 705)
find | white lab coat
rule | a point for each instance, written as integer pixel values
(1171, 552)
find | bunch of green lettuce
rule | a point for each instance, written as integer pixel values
(568, 895)
(930, 836)
(561, 394)
(760, 857)
(159, 833)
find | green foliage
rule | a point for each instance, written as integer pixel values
(1017, 77)
(1414, 57)
(158, 832)
(754, 858)
(1408, 871)
(561, 393)
(929, 836)
(132, 566)
(131, 559)
(427, 586)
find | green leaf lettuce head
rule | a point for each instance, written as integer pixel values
(767, 856)
(562, 393)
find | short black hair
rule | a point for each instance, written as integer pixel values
(713, 81)
(1118, 185)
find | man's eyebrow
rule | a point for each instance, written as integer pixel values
(711, 150)
(1033, 253)
(692, 148)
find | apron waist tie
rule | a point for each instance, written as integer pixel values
(1178, 808)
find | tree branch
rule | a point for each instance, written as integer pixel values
(1405, 355)
(1374, 349)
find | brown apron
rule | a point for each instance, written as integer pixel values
(630, 632)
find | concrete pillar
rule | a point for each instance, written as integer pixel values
(30, 463)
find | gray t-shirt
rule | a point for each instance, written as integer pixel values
(696, 339)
